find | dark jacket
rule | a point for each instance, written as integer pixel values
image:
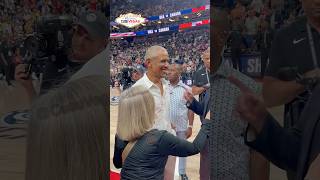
(201, 108)
(294, 148)
(148, 157)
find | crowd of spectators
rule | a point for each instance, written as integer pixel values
(156, 8)
(253, 26)
(261, 16)
(186, 46)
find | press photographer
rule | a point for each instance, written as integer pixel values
(61, 47)
(129, 75)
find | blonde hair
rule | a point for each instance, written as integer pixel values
(67, 134)
(136, 114)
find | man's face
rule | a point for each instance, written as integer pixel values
(158, 66)
(136, 75)
(173, 73)
(311, 8)
(83, 46)
(206, 59)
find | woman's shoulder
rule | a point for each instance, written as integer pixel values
(154, 135)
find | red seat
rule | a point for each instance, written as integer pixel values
(114, 176)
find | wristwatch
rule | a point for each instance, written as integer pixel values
(190, 126)
(188, 104)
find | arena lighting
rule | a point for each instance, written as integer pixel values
(171, 20)
(186, 17)
(159, 22)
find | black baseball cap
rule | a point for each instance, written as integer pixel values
(95, 23)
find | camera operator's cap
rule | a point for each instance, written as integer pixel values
(139, 68)
(95, 23)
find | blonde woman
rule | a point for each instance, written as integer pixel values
(67, 136)
(150, 148)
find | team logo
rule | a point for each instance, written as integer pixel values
(130, 20)
(114, 100)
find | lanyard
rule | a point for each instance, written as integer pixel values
(312, 47)
(207, 76)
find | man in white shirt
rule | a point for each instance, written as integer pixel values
(157, 63)
(181, 117)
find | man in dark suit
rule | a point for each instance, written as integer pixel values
(202, 109)
(297, 148)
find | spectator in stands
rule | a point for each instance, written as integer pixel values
(251, 28)
(264, 40)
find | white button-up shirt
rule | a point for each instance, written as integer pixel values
(162, 121)
(178, 111)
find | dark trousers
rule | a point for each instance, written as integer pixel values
(235, 57)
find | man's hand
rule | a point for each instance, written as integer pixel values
(197, 90)
(188, 96)
(188, 132)
(21, 76)
(249, 106)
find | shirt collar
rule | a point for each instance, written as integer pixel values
(149, 83)
(180, 83)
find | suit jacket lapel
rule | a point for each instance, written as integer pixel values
(309, 117)
(206, 103)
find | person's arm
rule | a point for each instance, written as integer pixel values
(21, 76)
(259, 166)
(190, 118)
(119, 146)
(172, 145)
(276, 92)
(196, 107)
(279, 145)
(197, 90)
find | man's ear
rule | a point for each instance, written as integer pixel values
(148, 63)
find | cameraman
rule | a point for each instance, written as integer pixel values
(89, 41)
(131, 75)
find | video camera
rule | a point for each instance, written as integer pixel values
(126, 80)
(49, 44)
